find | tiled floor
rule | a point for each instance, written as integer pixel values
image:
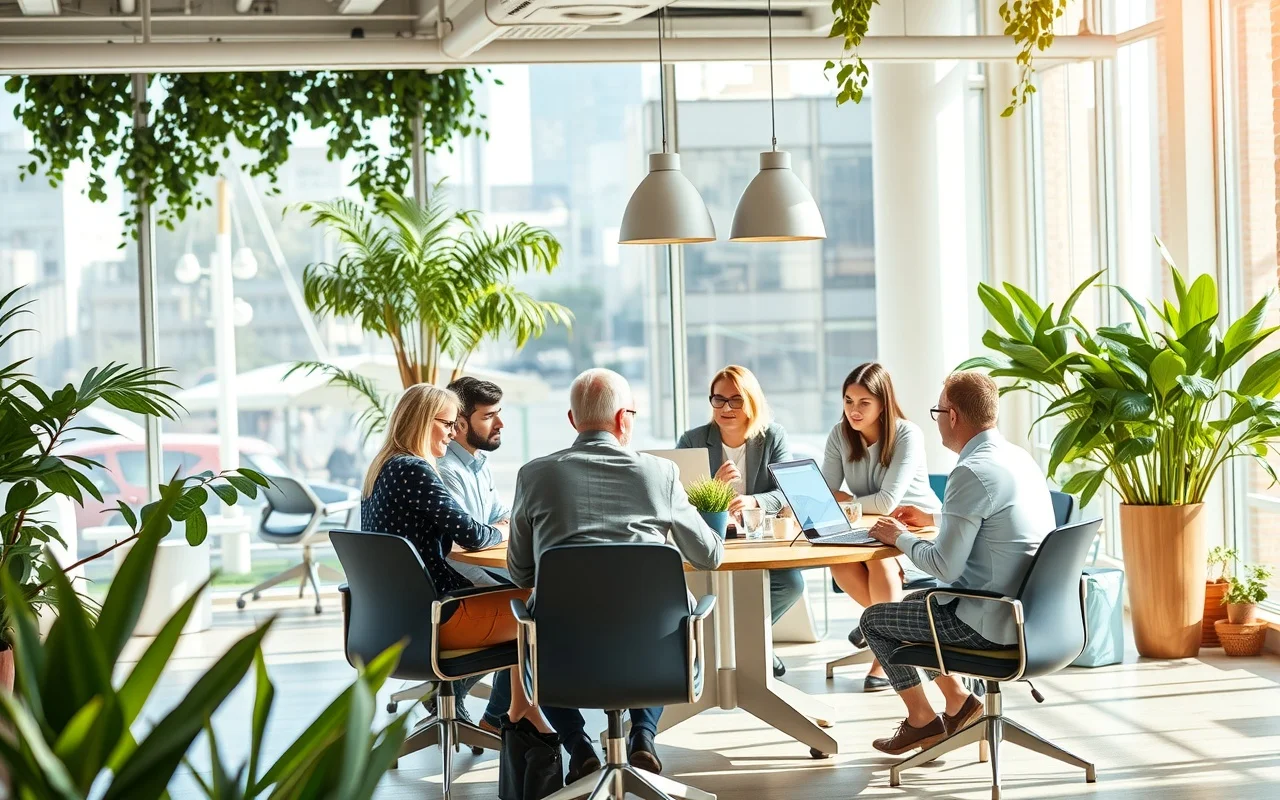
(1207, 728)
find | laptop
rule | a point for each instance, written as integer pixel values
(821, 519)
(692, 463)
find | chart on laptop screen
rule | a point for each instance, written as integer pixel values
(811, 501)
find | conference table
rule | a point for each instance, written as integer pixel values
(741, 633)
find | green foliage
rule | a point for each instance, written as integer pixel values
(1250, 591)
(1223, 558)
(74, 727)
(1137, 408)
(194, 118)
(1029, 22)
(374, 418)
(431, 280)
(710, 495)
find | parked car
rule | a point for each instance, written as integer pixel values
(124, 473)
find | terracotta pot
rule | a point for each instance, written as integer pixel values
(1214, 610)
(6, 667)
(1242, 613)
(1164, 564)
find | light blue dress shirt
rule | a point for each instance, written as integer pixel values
(469, 480)
(996, 512)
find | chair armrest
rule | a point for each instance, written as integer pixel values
(696, 646)
(986, 596)
(349, 506)
(344, 592)
(526, 648)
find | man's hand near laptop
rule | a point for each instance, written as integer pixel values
(887, 529)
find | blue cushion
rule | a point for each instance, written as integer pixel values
(1104, 618)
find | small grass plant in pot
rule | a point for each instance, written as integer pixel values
(1242, 633)
(712, 498)
(1215, 589)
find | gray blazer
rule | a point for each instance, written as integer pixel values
(770, 447)
(598, 491)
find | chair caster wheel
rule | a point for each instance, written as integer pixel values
(816, 753)
(822, 723)
(395, 764)
(477, 751)
(319, 609)
(240, 603)
(257, 595)
(391, 707)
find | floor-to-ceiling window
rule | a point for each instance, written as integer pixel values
(1250, 71)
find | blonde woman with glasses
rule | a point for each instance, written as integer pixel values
(404, 495)
(741, 441)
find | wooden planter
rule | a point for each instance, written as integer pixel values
(1214, 610)
(1164, 563)
(1242, 640)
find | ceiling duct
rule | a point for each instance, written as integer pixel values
(482, 21)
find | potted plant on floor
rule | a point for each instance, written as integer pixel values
(1242, 633)
(1137, 407)
(1215, 589)
(712, 498)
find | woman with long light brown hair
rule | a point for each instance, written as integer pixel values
(404, 495)
(875, 456)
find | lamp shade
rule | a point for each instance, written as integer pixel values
(776, 206)
(665, 208)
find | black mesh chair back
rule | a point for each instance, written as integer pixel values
(612, 627)
(1051, 602)
(287, 495)
(391, 597)
(1064, 506)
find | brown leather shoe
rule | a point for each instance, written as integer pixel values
(968, 714)
(911, 738)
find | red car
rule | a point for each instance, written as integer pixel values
(124, 468)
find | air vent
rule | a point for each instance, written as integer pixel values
(543, 31)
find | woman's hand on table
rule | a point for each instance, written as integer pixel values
(743, 501)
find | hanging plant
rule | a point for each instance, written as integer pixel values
(1029, 22)
(193, 119)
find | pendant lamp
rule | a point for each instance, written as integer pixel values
(776, 206)
(665, 208)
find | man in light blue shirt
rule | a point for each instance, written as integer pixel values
(995, 513)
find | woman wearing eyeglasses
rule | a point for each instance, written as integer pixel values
(741, 441)
(876, 456)
(403, 495)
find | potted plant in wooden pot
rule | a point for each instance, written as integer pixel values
(1242, 633)
(1215, 589)
(712, 498)
(1152, 408)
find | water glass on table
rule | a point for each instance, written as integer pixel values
(753, 522)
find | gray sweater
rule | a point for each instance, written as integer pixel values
(881, 489)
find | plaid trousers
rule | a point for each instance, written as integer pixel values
(887, 626)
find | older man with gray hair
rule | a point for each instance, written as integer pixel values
(599, 491)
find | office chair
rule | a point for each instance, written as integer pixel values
(295, 514)
(1049, 613)
(611, 629)
(389, 597)
(1063, 508)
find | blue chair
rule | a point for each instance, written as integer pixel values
(938, 483)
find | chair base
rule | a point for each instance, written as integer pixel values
(419, 691)
(989, 732)
(308, 571)
(617, 778)
(448, 732)
(857, 657)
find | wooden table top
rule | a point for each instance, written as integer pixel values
(740, 554)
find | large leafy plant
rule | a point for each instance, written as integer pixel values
(33, 422)
(1150, 407)
(431, 280)
(193, 118)
(75, 729)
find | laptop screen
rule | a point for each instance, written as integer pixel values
(811, 501)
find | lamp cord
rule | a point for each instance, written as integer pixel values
(662, 79)
(773, 119)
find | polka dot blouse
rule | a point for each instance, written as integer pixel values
(410, 500)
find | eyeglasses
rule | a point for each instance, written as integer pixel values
(720, 401)
(631, 411)
(450, 425)
(936, 412)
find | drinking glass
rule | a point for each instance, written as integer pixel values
(753, 522)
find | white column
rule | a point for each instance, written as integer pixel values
(918, 163)
(235, 545)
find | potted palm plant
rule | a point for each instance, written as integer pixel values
(712, 498)
(1152, 408)
(431, 280)
(1215, 589)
